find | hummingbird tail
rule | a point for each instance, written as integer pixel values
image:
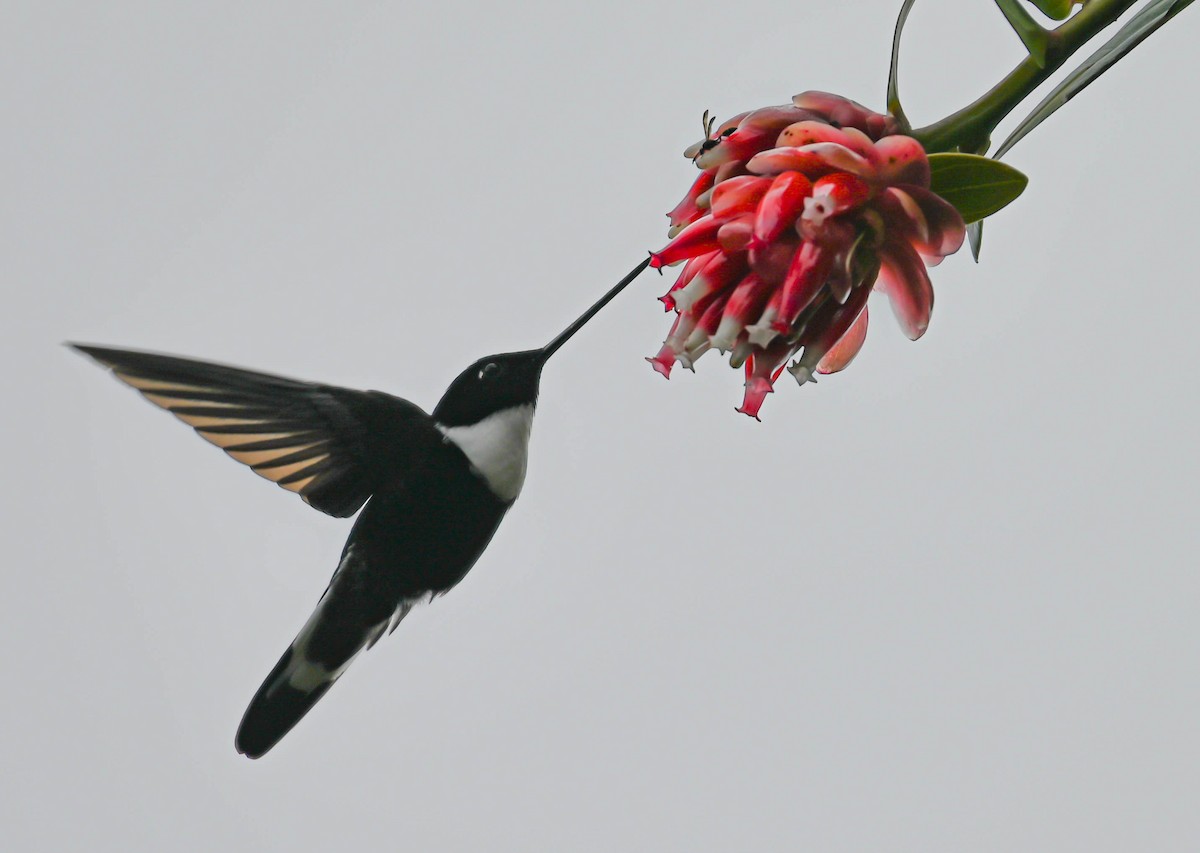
(349, 619)
(312, 663)
(286, 695)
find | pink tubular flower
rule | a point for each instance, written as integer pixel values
(799, 213)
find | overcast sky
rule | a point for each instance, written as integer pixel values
(944, 601)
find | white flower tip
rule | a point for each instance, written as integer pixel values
(727, 334)
(684, 299)
(761, 334)
(693, 355)
(801, 372)
(741, 352)
(817, 208)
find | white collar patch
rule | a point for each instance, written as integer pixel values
(498, 448)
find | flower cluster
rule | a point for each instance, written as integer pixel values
(800, 211)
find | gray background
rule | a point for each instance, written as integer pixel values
(944, 601)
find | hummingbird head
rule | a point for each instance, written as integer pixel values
(492, 384)
(498, 383)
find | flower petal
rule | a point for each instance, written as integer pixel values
(826, 328)
(779, 207)
(730, 170)
(832, 194)
(902, 216)
(861, 143)
(902, 161)
(762, 332)
(809, 132)
(848, 346)
(839, 283)
(804, 279)
(907, 285)
(771, 261)
(736, 234)
(744, 305)
(709, 322)
(757, 389)
(844, 111)
(777, 160)
(842, 158)
(691, 355)
(688, 211)
(814, 160)
(663, 362)
(738, 196)
(697, 239)
(761, 372)
(689, 271)
(742, 351)
(946, 228)
(716, 275)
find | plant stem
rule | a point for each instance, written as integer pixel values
(970, 128)
(1033, 35)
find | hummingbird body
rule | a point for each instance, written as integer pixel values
(435, 488)
(411, 543)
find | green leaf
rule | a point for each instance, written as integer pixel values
(975, 236)
(1139, 27)
(1055, 9)
(893, 86)
(976, 186)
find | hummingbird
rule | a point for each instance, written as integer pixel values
(435, 488)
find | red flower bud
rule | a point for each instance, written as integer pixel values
(737, 196)
(830, 323)
(845, 112)
(762, 369)
(843, 352)
(697, 239)
(809, 132)
(735, 236)
(904, 280)
(779, 207)
(745, 304)
(690, 269)
(902, 161)
(687, 211)
(719, 273)
(804, 280)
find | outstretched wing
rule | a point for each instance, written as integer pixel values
(332, 446)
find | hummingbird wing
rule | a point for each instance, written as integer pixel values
(332, 446)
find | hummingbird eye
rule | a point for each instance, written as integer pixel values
(490, 371)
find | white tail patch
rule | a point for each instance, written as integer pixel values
(307, 675)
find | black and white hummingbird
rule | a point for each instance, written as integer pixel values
(435, 487)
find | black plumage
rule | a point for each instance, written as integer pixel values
(435, 487)
(429, 513)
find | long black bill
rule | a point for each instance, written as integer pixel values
(550, 348)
